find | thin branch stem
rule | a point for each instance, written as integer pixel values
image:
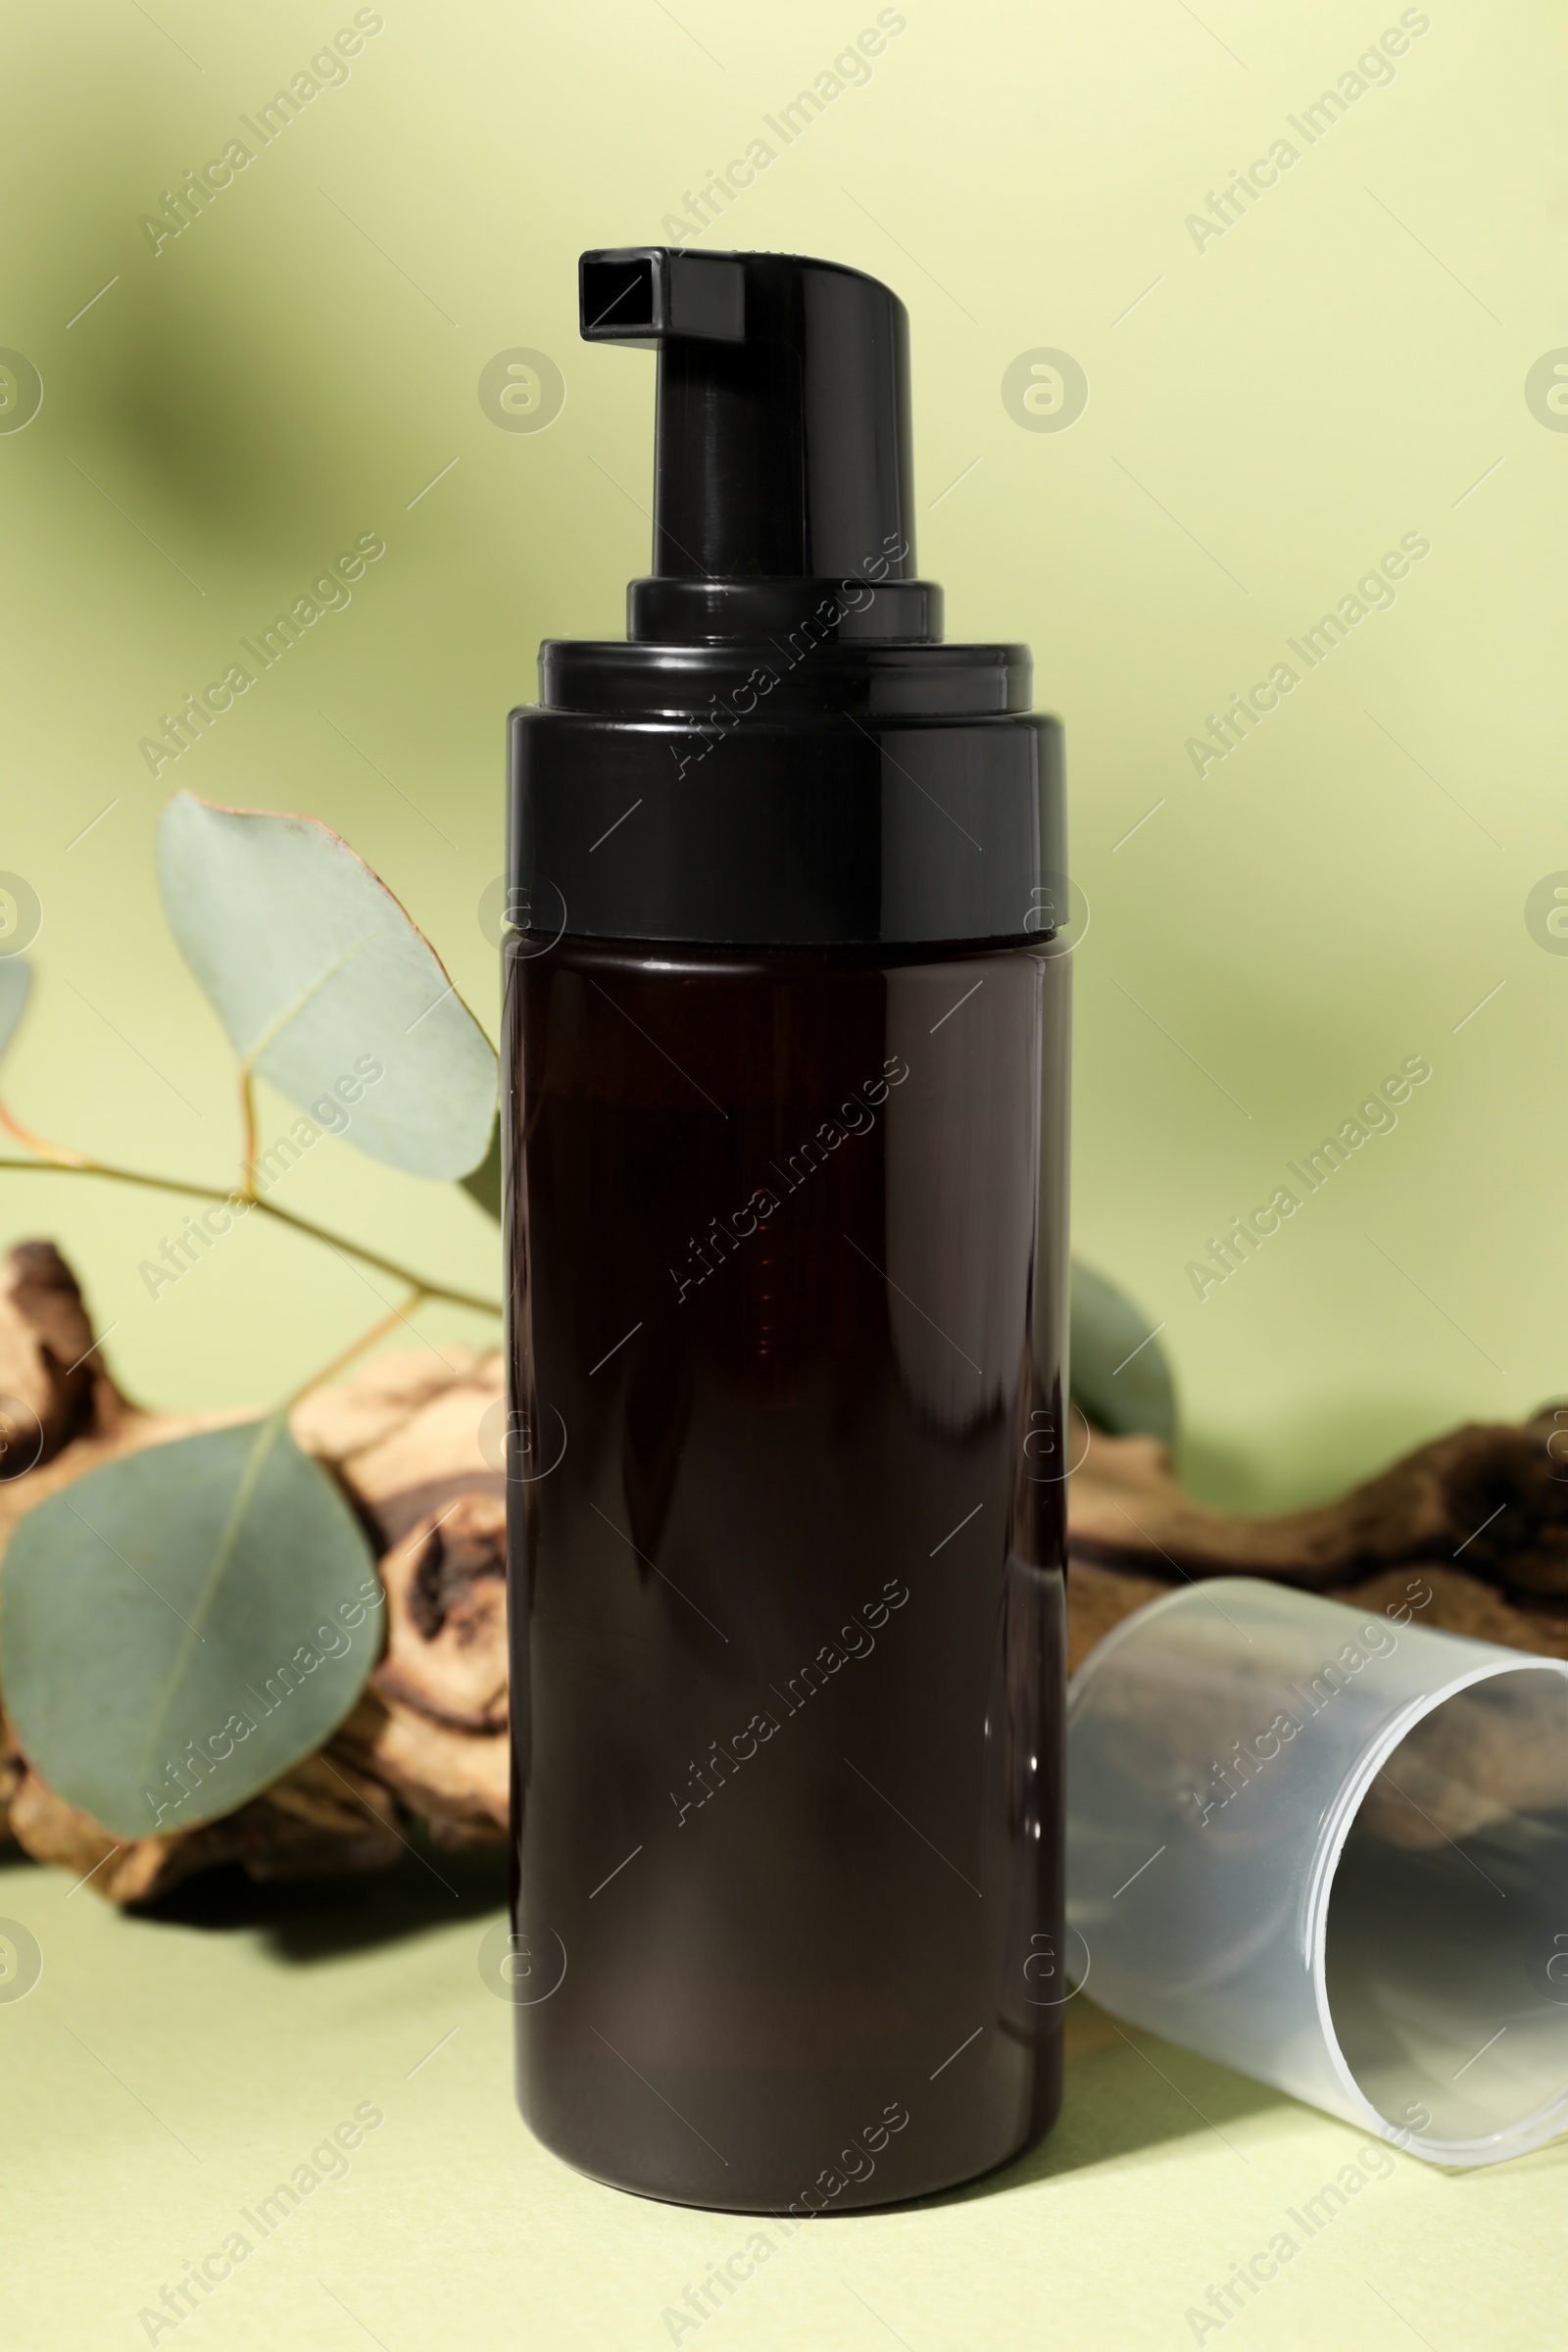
(79, 1167)
(60, 1154)
(386, 1265)
(418, 1294)
(247, 1122)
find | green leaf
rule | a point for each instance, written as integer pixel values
(214, 1594)
(1119, 1374)
(324, 986)
(15, 981)
(483, 1183)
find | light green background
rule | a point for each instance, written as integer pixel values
(1276, 409)
(1345, 366)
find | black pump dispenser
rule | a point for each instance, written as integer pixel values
(787, 751)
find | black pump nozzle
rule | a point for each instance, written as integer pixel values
(782, 441)
(781, 754)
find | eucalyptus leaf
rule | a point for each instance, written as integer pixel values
(15, 981)
(1119, 1374)
(483, 1183)
(179, 1626)
(324, 986)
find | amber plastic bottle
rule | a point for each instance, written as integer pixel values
(786, 1183)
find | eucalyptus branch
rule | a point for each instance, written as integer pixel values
(54, 1161)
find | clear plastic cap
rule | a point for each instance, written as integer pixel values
(1329, 1847)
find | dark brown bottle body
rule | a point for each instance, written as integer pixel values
(788, 1312)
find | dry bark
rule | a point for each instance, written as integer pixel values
(1482, 1513)
(1500, 1490)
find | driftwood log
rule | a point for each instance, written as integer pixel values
(1481, 1514)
